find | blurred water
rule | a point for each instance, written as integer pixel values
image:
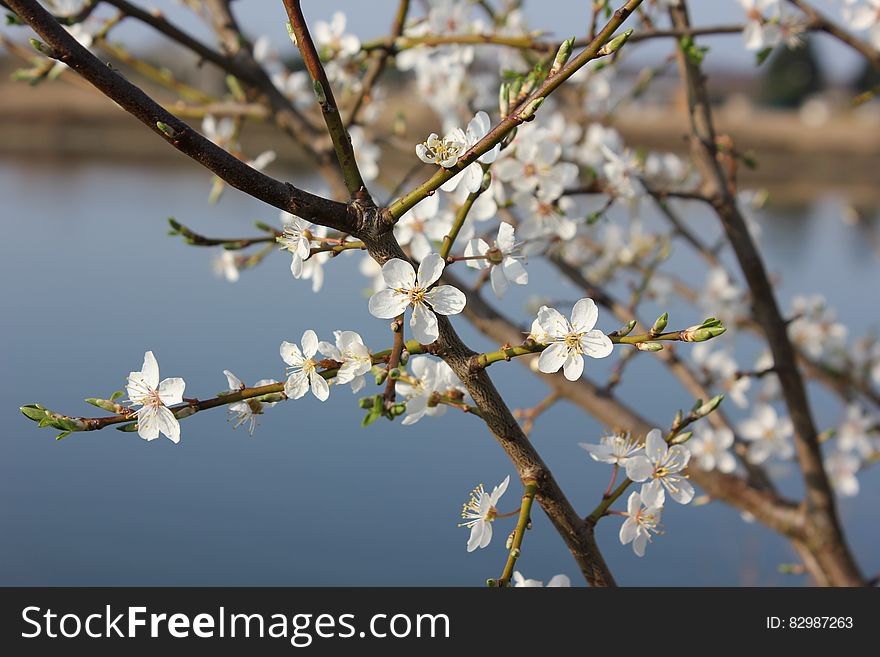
(91, 281)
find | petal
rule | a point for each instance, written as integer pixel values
(682, 491)
(320, 388)
(487, 535)
(150, 370)
(291, 354)
(475, 248)
(446, 299)
(515, 272)
(639, 468)
(574, 366)
(168, 424)
(233, 381)
(499, 490)
(506, 237)
(596, 344)
(148, 424)
(628, 531)
(552, 358)
(296, 386)
(388, 304)
(498, 281)
(559, 581)
(430, 269)
(584, 315)
(640, 543)
(309, 343)
(473, 177)
(423, 324)
(553, 323)
(296, 266)
(399, 274)
(171, 391)
(655, 446)
(652, 493)
(476, 535)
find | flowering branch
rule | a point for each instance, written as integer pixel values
(523, 112)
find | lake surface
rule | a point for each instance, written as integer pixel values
(91, 281)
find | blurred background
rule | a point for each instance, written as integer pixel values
(91, 281)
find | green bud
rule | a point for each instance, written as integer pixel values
(394, 374)
(627, 329)
(319, 93)
(492, 583)
(562, 56)
(63, 434)
(398, 409)
(106, 404)
(128, 428)
(528, 113)
(166, 130)
(615, 44)
(681, 438)
(678, 417)
(42, 48)
(660, 324)
(710, 328)
(503, 99)
(365, 402)
(380, 377)
(709, 406)
(649, 346)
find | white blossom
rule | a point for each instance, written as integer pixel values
(472, 176)
(353, 356)
(422, 226)
(479, 512)
(366, 152)
(154, 397)
(760, 32)
(295, 239)
(303, 368)
(569, 341)
(246, 411)
(642, 521)
(769, 435)
(662, 464)
(842, 468)
(406, 289)
(557, 581)
(711, 449)
(226, 266)
(615, 449)
(331, 39)
(428, 376)
(503, 259)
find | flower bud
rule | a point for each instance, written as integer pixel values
(562, 56)
(649, 346)
(528, 113)
(106, 404)
(660, 324)
(681, 438)
(614, 45)
(709, 406)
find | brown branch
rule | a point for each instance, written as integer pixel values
(822, 23)
(354, 182)
(831, 549)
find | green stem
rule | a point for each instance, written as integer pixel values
(521, 524)
(460, 217)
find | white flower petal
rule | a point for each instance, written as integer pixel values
(584, 315)
(573, 367)
(150, 370)
(446, 299)
(399, 274)
(388, 304)
(430, 269)
(553, 357)
(423, 324)
(171, 391)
